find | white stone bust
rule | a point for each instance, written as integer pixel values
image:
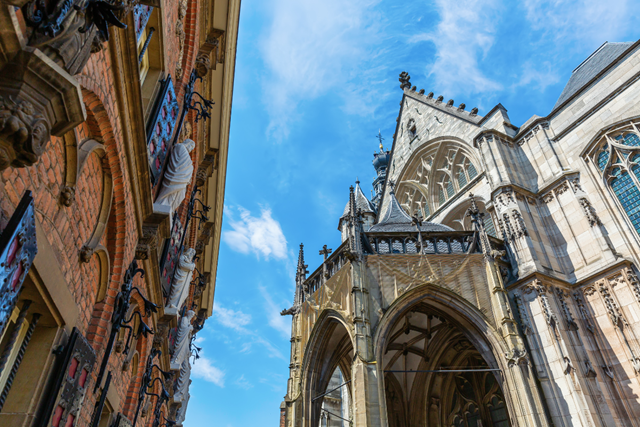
(181, 281)
(183, 341)
(177, 176)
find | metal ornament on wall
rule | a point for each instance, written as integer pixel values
(119, 318)
(18, 248)
(73, 367)
(148, 381)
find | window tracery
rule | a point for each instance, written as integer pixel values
(437, 176)
(617, 158)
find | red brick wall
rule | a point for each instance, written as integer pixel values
(67, 229)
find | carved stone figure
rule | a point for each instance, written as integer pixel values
(181, 282)
(24, 133)
(182, 412)
(184, 382)
(177, 176)
(183, 341)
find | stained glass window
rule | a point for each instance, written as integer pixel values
(462, 179)
(441, 194)
(472, 171)
(450, 190)
(488, 225)
(628, 194)
(630, 139)
(619, 164)
(603, 158)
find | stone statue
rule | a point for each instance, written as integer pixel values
(183, 341)
(181, 281)
(177, 176)
(184, 381)
(182, 412)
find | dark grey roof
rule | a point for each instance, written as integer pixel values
(394, 218)
(362, 202)
(591, 67)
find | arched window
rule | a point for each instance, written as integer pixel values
(436, 175)
(617, 157)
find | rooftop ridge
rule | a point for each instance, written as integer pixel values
(590, 56)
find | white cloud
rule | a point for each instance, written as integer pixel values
(260, 235)
(595, 21)
(231, 318)
(203, 368)
(237, 320)
(278, 322)
(311, 46)
(539, 76)
(463, 36)
(242, 382)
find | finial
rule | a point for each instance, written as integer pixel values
(380, 138)
(357, 181)
(404, 80)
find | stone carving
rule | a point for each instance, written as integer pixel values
(203, 64)
(181, 350)
(590, 212)
(182, 12)
(177, 176)
(568, 367)
(571, 324)
(519, 227)
(405, 80)
(86, 252)
(524, 316)
(635, 283)
(181, 281)
(615, 314)
(147, 242)
(589, 371)
(515, 356)
(24, 133)
(583, 312)
(182, 412)
(184, 381)
(67, 196)
(160, 335)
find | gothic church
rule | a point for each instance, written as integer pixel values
(493, 278)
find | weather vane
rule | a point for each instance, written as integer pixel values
(380, 138)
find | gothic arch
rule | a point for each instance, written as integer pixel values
(435, 173)
(470, 326)
(614, 157)
(330, 346)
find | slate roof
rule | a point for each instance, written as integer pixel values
(394, 218)
(591, 67)
(362, 202)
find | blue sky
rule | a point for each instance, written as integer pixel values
(315, 80)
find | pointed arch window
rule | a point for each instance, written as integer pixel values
(617, 158)
(436, 175)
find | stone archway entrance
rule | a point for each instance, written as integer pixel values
(465, 392)
(329, 366)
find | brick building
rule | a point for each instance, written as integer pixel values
(114, 125)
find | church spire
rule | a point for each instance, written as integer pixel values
(380, 163)
(301, 277)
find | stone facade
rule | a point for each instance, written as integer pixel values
(525, 309)
(93, 99)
